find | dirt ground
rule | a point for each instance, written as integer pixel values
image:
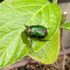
(56, 66)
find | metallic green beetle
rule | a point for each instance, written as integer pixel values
(36, 31)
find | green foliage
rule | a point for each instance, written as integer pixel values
(65, 26)
(14, 45)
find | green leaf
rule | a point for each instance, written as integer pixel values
(49, 51)
(65, 26)
(14, 14)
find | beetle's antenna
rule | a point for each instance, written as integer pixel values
(25, 25)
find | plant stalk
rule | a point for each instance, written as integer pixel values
(62, 45)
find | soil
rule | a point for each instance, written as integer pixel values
(33, 65)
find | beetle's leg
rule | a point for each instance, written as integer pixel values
(30, 43)
(30, 46)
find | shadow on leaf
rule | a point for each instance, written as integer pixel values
(25, 39)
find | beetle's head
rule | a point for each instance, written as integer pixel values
(28, 31)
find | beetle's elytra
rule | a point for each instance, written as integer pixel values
(36, 31)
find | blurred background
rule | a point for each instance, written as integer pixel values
(66, 34)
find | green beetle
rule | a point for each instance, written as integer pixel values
(36, 31)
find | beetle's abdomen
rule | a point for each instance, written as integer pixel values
(38, 31)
